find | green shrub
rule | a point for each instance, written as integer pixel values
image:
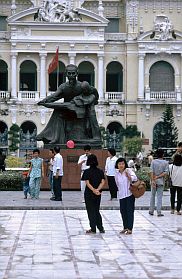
(15, 162)
(143, 174)
(10, 181)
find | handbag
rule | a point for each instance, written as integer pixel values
(138, 188)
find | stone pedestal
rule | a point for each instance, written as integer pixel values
(71, 178)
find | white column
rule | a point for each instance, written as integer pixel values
(101, 76)
(14, 75)
(72, 56)
(141, 76)
(42, 75)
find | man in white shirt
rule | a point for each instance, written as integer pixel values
(110, 171)
(82, 162)
(57, 175)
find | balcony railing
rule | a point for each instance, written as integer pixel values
(163, 95)
(114, 96)
(4, 35)
(4, 95)
(28, 95)
(115, 36)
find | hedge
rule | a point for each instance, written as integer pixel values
(11, 181)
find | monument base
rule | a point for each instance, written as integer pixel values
(71, 178)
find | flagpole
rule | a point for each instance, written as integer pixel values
(58, 75)
(58, 70)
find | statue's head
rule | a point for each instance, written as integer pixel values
(85, 87)
(72, 72)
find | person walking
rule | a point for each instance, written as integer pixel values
(110, 172)
(2, 161)
(57, 175)
(82, 162)
(95, 180)
(158, 170)
(50, 163)
(178, 150)
(175, 171)
(124, 177)
(150, 158)
(36, 172)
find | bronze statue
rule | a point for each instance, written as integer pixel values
(75, 118)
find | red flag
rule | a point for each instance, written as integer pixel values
(54, 63)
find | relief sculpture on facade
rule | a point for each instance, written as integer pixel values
(163, 29)
(55, 11)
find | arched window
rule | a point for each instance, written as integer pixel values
(158, 135)
(86, 72)
(28, 76)
(114, 135)
(57, 77)
(3, 134)
(3, 76)
(28, 133)
(114, 77)
(161, 77)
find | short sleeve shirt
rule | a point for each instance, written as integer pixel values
(36, 167)
(94, 176)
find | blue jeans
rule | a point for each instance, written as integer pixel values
(26, 188)
(159, 190)
(127, 207)
(51, 182)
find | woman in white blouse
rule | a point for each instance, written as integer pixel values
(124, 177)
(175, 171)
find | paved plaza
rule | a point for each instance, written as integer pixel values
(71, 200)
(52, 244)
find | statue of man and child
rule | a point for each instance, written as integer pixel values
(75, 118)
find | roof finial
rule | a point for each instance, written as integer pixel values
(13, 7)
(101, 8)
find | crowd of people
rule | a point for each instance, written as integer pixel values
(119, 173)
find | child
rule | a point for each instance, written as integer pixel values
(26, 188)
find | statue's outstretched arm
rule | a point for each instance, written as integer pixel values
(52, 98)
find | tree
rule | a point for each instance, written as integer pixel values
(132, 146)
(14, 136)
(167, 132)
(131, 131)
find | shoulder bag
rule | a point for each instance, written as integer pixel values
(138, 188)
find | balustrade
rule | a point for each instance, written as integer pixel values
(114, 96)
(115, 36)
(4, 95)
(30, 95)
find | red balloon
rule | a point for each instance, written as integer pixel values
(70, 144)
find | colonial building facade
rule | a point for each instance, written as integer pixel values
(131, 51)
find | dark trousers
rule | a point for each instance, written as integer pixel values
(2, 167)
(173, 191)
(57, 187)
(92, 207)
(127, 207)
(112, 186)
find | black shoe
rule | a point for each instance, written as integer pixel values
(102, 231)
(160, 215)
(52, 199)
(151, 213)
(57, 199)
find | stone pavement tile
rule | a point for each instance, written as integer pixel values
(65, 274)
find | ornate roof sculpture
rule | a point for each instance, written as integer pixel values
(163, 29)
(57, 11)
